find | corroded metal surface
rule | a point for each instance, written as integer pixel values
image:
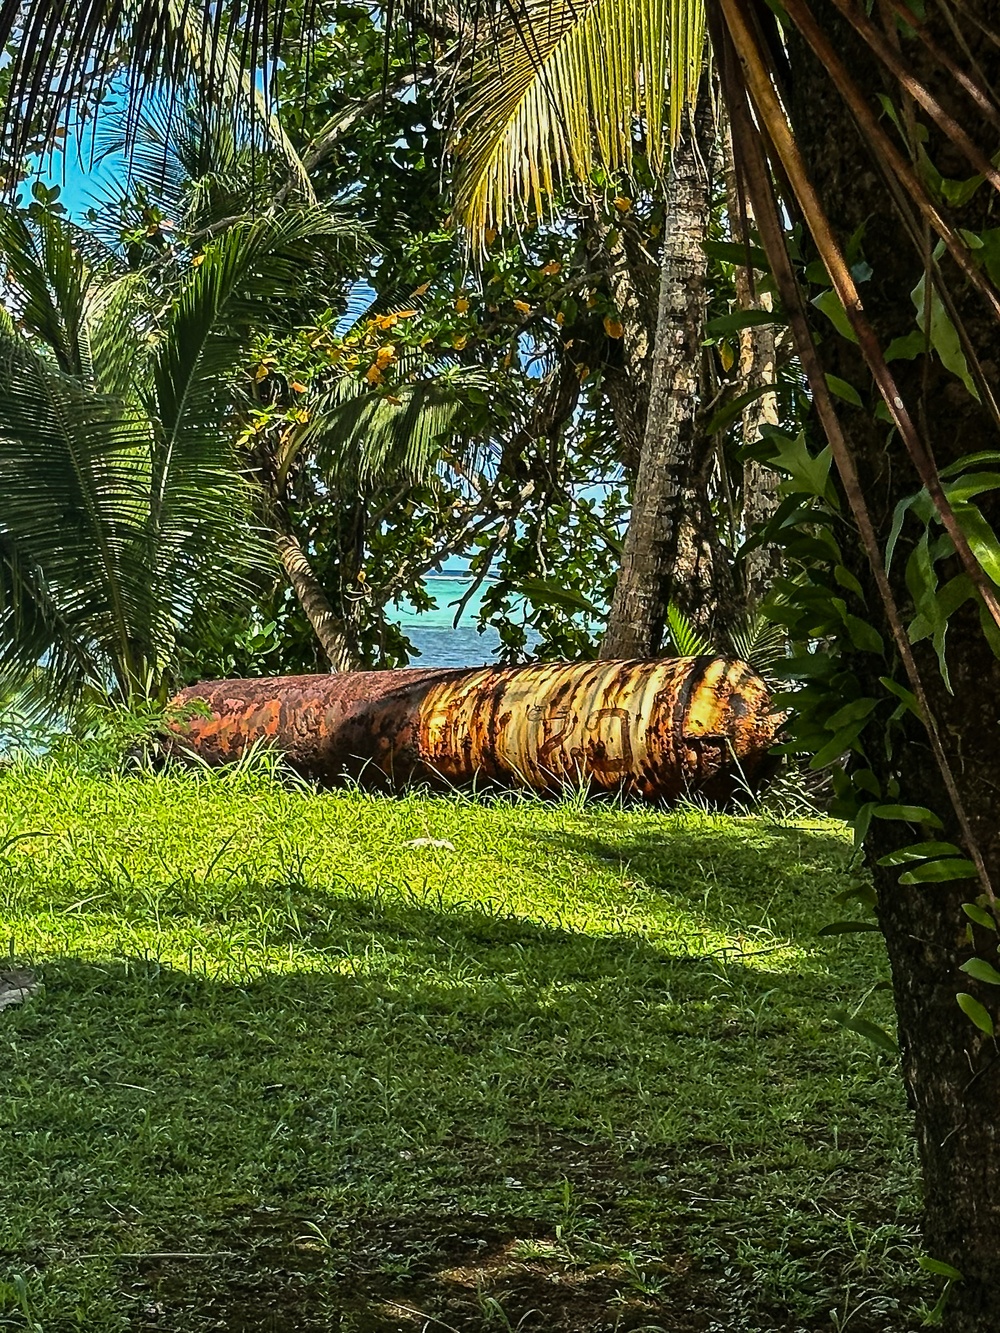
(652, 729)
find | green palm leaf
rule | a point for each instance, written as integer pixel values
(121, 499)
(371, 435)
(60, 46)
(562, 90)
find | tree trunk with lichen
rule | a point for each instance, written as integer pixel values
(672, 552)
(951, 1069)
(327, 626)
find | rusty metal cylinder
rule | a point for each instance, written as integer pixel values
(654, 729)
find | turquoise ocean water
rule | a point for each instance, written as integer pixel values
(432, 632)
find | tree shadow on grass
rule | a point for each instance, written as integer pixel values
(452, 1116)
(782, 878)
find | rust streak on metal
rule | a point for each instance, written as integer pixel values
(654, 729)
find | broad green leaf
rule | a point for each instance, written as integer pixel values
(980, 916)
(906, 348)
(851, 713)
(864, 636)
(898, 518)
(971, 484)
(981, 538)
(939, 1268)
(979, 1014)
(862, 823)
(981, 970)
(731, 252)
(847, 580)
(841, 742)
(864, 1027)
(958, 193)
(741, 319)
(831, 306)
(988, 457)
(547, 593)
(865, 780)
(902, 693)
(938, 872)
(842, 389)
(919, 851)
(727, 414)
(910, 814)
(943, 335)
(809, 474)
(863, 893)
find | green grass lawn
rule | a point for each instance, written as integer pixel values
(581, 1072)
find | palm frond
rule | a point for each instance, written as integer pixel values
(563, 89)
(760, 643)
(121, 499)
(48, 282)
(71, 501)
(61, 45)
(243, 273)
(685, 639)
(374, 436)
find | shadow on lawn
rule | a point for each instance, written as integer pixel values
(457, 1120)
(779, 878)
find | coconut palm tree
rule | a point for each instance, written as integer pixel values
(121, 499)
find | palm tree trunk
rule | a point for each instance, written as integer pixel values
(633, 281)
(951, 1069)
(671, 548)
(328, 628)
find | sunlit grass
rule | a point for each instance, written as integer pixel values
(585, 1063)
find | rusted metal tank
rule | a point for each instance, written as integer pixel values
(650, 729)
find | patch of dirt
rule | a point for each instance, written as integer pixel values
(273, 1274)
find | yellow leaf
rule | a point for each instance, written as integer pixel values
(490, 235)
(385, 356)
(461, 305)
(198, 259)
(373, 375)
(459, 341)
(260, 374)
(552, 268)
(622, 204)
(385, 321)
(613, 327)
(591, 300)
(298, 387)
(406, 314)
(582, 372)
(391, 398)
(561, 318)
(523, 306)
(422, 290)
(726, 355)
